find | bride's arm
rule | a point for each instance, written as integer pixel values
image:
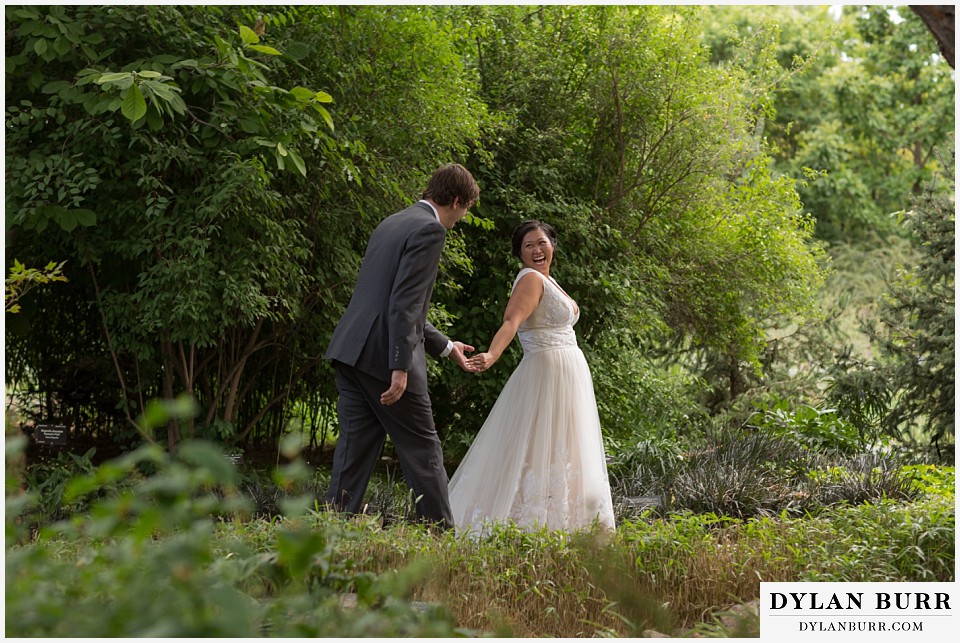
(526, 295)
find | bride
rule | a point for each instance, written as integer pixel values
(538, 459)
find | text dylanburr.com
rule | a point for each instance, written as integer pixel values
(859, 611)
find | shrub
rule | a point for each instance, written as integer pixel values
(813, 428)
(148, 559)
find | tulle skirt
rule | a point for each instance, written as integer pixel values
(538, 460)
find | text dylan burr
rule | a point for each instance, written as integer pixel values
(855, 601)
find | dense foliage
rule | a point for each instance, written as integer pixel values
(208, 207)
(863, 119)
(863, 103)
(210, 175)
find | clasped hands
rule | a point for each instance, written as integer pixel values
(475, 364)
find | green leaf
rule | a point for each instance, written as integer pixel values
(149, 74)
(61, 45)
(110, 78)
(84, 217)
(302, 93)
(323, 97)
(296, 506)
(298, 162)
(134, 106)
(161, 90)
(297, 50)
(68, 222)
(178, 105)
(87, 76)
(326, 116)
(281, 149)
(210, 457)
(154, 119)
(263, 49)
(248, 35)
(40, 46)
(250, 125)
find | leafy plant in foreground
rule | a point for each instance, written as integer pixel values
(146, 560)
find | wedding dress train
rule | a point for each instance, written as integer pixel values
(538, 459)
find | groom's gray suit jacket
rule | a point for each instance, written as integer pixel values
(385, 325)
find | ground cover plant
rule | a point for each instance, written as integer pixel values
(171, 546)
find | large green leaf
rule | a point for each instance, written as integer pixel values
(85, 217)
(326, 116)
(302, 93)
(297, 50)
(248, 35)
(133, 106)
(263, 49)
(113, 77)
(297, 161)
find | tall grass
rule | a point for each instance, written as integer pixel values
(667, 575)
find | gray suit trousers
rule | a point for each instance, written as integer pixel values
(364, 425)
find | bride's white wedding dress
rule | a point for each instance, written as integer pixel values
(538, 460)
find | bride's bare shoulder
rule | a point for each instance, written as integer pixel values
(528, 284)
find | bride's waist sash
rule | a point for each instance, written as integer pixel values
(538, 340)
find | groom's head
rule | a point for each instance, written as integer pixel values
(452, 183)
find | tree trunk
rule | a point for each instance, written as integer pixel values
(169, 365)
(736, 377)
(939, 19)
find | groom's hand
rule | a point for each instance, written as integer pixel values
(398, 384)
(458, 355)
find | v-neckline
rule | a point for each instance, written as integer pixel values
(576, 307)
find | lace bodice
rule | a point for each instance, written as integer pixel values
(551, 323)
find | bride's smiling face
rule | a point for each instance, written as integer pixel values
(536, 251)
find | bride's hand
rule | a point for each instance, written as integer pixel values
(482, 361)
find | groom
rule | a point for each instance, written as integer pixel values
(378, 351)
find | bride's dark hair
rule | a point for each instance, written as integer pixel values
(521, 231)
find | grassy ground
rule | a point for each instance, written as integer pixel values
(669, 575)
(159, 545)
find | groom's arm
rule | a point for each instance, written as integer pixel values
(436, 343)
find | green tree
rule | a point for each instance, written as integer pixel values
(860, 115)
(860, 102)
(912, 383)
(160, 186)
(673, 224)
(207, 192)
